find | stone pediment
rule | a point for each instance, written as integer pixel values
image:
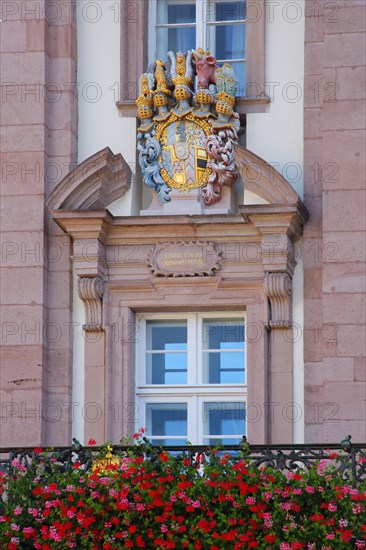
(262, 179)
(94, 183)
(105, 177)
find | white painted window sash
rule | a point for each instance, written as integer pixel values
(194, 393)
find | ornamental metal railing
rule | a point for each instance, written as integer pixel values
(348, 459)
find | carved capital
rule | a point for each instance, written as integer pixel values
(278, 253)
(90, 290)
(278, 287)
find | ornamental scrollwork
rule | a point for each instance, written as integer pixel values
(187, 134)
(90, 290)
(278, 288)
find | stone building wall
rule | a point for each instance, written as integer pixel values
(334, 236)
(38, 147)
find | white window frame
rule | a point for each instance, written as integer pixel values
(202, 27)
(137, 47)
(194, 393)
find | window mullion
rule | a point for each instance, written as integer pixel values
(193, 421)
(199, 351)
(141, 354)
(152, 29)
(191, 358)
(201, 18)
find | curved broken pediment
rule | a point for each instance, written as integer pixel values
(94, 183)
(105, 177)
(262, 179)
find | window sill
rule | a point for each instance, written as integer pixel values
(243, 106)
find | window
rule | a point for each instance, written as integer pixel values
(215, 25)
(191, 378)
(233, 30)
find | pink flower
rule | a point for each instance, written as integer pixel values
(357, 509)
(17, 511)
(332, 507)
(310, 489)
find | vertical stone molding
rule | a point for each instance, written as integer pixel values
(90, 290)
(134, 19)
(278, 287)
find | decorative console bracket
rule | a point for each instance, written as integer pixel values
(278, 287)
(90, 290)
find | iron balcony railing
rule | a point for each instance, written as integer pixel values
(348, 459)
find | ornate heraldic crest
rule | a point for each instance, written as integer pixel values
(186, 137)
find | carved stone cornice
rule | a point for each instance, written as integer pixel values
(277, 218)
(90, 290)
(278, 288)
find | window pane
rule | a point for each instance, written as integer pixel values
(173, 13)
(166, 419)
(227, 41)
(223, 368)
(218, 441)
(239, 70)
(166, 368)
(224, 419)
(175, 40)
(226, 11)
(168, 441)
(166, 335)
(223, 334)
(170, 365)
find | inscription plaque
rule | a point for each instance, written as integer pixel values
(184, 259)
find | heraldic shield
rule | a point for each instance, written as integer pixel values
(183, 155)
(186, 138)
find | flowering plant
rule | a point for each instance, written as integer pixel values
(147, 498)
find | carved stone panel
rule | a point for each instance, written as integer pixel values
(184, 259)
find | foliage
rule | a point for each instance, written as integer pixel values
(151, 499)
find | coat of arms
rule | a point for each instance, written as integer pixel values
(187, 133)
